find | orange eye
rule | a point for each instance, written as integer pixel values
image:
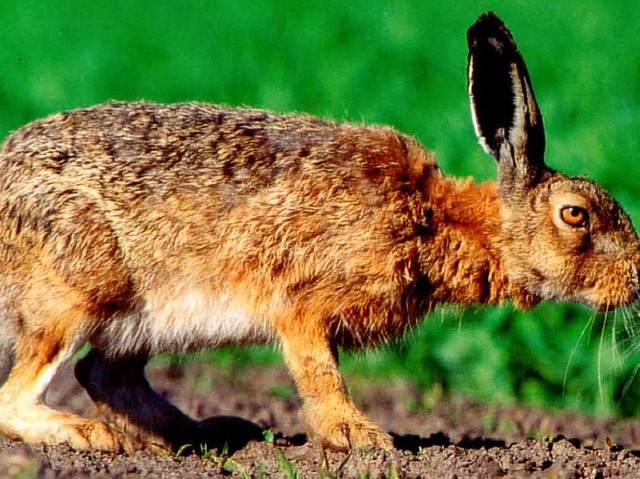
(574, 216)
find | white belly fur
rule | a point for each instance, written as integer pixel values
(187, 321)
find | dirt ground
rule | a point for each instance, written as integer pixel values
(436, 436)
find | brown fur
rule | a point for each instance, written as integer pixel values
(141, 228)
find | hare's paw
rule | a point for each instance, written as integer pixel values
(39, 424)
(343, 428)
(89, 434)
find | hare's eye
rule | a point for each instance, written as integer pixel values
(575, 216)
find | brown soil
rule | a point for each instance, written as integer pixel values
(435, 436)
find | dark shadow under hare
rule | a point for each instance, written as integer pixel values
(141, 228)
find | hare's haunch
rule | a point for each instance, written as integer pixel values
(141, 228)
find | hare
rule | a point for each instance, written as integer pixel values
(140, 228)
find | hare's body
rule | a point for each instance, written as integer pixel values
(142, 228)
(174, 228)
(190, 242)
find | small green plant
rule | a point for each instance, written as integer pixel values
(222, 460)
(392, 473)
(269, 436)
(207, 455)
(27, 471)
(288, 469)
(182, 450)
(490, 419)
(260, 472)
(431, 397)
(507, 426)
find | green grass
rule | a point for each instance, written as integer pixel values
(400, 63)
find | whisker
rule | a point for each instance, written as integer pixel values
(587, 327)
(599, 359)
(631, 345)
(624, 347)
(627, 320)
(630, 379)
(615, 351)
(459, 313)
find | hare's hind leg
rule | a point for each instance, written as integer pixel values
(329, 414)
(51, 324)
(62, 278)
(123, 395)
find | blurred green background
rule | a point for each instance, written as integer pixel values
(400, 63)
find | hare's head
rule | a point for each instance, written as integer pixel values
(563, 238)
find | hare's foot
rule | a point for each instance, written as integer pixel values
(340, 425)
(37, 423)
(126, 399)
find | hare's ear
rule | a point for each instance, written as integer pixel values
(504, 109)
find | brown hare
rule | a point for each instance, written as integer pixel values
(140, 228)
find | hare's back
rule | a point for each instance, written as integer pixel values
(142, 148)
(138, 145)
(137, 159)
(130, 159)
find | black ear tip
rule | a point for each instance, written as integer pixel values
(489, 30)
(488, 18)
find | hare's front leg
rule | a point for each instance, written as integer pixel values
(329, 414)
